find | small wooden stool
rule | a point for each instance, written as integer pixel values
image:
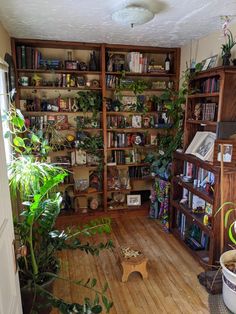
(133, 263)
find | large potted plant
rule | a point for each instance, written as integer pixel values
(35, 183)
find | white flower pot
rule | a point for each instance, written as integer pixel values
(229, 281)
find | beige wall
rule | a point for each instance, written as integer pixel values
(206, 47)
(5, 42)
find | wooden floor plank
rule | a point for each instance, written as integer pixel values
(172, 285)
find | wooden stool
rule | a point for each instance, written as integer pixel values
(134, 263)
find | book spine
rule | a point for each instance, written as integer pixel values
(23, 57)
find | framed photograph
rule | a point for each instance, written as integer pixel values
(227, 152)
(206, 64)
(136, 121)
(212, 63)
(209, 63)
(202, 145)
(134, 200)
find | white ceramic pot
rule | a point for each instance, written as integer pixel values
(229, 281)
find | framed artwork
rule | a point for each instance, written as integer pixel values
(134, 200)
(209, 63)
(227, 152)
(136, 121)
(202, 145)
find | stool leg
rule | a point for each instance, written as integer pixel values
(144, 271)
(126, 272)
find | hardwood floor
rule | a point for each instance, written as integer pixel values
(172, 285)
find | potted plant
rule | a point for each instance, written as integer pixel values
(229, 42)
(35, 182)
(228, 259)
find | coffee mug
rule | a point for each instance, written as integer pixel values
(24, 81)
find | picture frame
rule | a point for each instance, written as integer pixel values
(209, 63)
(134, 200)
(202, 145)
(136, 121)
(227, 152)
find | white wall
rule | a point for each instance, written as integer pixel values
(5, 42)
(207, 46)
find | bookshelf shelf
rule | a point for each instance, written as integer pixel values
(202, 122)
(130, 165)
(202, 95)
(59, 88)
(58, 71)
(196, 218)
(150, 74)
(202, 256)
(132, 147)
(35, 58)
(197, 191)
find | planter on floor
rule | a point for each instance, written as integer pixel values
(229, 280)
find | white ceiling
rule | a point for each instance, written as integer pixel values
(177, 22)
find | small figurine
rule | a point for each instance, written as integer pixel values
(36, 80)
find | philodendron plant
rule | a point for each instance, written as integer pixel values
(36, 182)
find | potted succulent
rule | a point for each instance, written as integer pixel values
(228, 259)
(35, 183)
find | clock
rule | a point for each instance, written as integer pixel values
(11, 73)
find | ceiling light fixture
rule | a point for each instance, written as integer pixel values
(133, 15)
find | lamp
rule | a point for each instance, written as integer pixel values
(133, 15)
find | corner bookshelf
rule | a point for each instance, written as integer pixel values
(195, 181)
(58, 80)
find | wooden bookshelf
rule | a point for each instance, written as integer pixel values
(81, 52)
(217, 88)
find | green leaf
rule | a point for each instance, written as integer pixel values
(18, 122)
(231, 236)
(7, 134)
(96, 309)
(19, 142)
(93, 282)
(34, 138)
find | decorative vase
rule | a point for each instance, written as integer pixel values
(226, 59)
(92, 62)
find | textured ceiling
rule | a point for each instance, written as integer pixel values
(176, 21)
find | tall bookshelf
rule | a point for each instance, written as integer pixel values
(195, 181)
(45, 61)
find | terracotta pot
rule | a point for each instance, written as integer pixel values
(27, 297)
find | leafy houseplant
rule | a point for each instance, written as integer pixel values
(35, 182)
(89, 101)
(229, 42)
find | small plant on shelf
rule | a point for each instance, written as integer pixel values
(89, 101)
(36, 183)
(229, 41)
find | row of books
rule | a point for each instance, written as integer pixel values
(134, 121)
(139, 172)
(193, 236)
(196, 204)
(210, 85)
(112, 81)
(137, 62)
(199, 176)
(28, 57)
(205, 111)
(115, 139)
(120, 157)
